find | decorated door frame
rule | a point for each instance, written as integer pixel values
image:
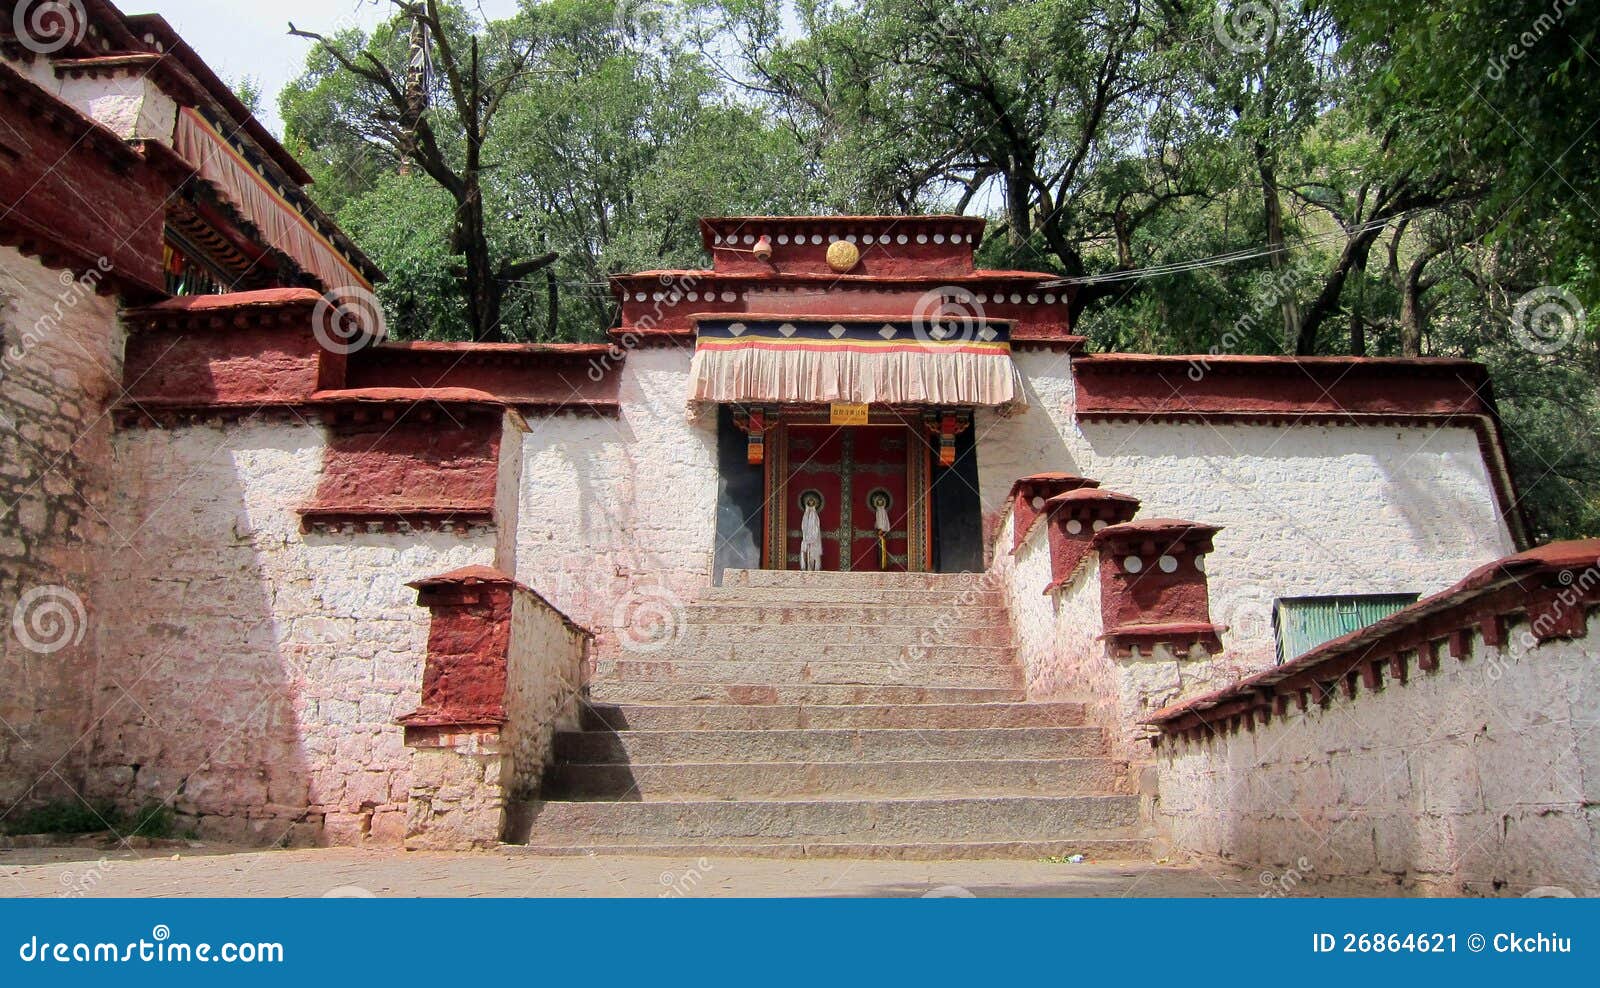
(919, 513)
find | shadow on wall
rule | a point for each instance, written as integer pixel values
(198, 698)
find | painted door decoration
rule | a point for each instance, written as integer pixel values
(848, 473)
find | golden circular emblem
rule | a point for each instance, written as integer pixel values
(843, 255)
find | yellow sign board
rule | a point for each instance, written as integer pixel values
(847, 413)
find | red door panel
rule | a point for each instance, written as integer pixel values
(847, 468)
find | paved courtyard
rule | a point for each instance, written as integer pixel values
(213, 871)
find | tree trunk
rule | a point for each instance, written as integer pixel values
(1352, 258)
(1288, 304)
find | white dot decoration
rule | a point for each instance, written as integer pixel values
(694, 296)
(982, 298)
(1033, 299)
(869, 238)
(1074, 527)
(1038, 503)
(1015, 298)
(1049, 299)
(783, 238)
(938, 238)
(749, 239)
(902, 238)
(1100, 525)
(816, 238)
(657, 296)
(1133, 564)
(729, 297)
(639, 297)
(1168, 564)
(1200, 563)
(922, 238)
(958, 238)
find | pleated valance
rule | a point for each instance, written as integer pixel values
(877, 361)
(216, 159)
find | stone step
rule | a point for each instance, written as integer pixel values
(1011, 818)
(795, 716)
(947, 582)
(840, 745)
(882, 672)
(800, 650)
(763, 596)
(792, 780)
(1096, 849)
(805, 694)
(790, 614)
(894, 632)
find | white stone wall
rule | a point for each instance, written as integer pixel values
(1306, 510)
(130, 105)
(251, 673)
(544, 677)
(1482, 777)
(60, 364)
(618, 515)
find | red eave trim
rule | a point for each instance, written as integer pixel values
(1484, 599)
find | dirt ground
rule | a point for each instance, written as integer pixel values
(200, 870)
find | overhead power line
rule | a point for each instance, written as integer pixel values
(1231, 257)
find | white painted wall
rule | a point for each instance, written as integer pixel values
(60, 364)
(618, 516)
(252, 673)
(1481, 777)
(1306, 510)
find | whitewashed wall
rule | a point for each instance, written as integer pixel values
(618, 515)
(1481, 777)
(1306, 510)
(252, 673)
(60, 364)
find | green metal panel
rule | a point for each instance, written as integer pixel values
(1303, 623)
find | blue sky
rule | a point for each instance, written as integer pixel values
(251, 37)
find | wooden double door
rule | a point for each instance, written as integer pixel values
(848, 472)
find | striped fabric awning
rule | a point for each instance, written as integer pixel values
(218, 161)
(865, 360)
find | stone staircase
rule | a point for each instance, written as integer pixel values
(833, 714)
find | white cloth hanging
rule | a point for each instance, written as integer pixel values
(811, 539)
(882, 522)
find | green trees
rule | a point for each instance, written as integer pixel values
(1269, 176)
